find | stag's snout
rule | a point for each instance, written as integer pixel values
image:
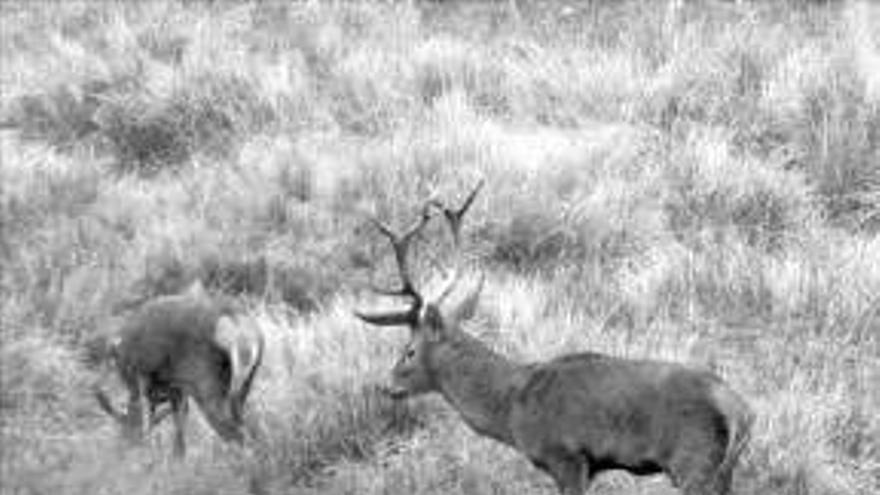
(398, 393)
(392, 392)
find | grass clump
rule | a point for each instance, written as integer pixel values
(210, 116)
(831, 129)
(714, 193)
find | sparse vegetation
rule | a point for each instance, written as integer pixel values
(697, 183)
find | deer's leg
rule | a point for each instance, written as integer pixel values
(706, 481)
(570, 472)
(701, 486)
(694, 471)
(137, 414)
(179, 409)
(157, 417)
(143, 409)
(723, 481)
(159, 394)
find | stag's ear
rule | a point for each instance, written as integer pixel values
(467, 306)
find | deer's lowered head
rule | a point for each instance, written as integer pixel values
(180, 346)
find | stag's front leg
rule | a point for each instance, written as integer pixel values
(137, 413)
(179, 408)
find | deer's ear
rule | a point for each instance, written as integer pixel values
(433, 321)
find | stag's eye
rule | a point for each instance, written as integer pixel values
(410, 353)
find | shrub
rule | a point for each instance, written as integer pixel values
(714, 193)
(61, 116)
(38, 373)
(818, 102)
(212, 114)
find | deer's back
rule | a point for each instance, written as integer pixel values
(168, 331)
(631, 412)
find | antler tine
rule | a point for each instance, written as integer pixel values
(400, 245)
(454, 218)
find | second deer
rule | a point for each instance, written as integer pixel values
(573, 416)
(180, 346)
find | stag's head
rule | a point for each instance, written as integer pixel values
(431, 321)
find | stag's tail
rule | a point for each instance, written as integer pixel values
(740, 419)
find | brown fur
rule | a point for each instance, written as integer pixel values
(171, 349)
(573, 416)
(580, 414)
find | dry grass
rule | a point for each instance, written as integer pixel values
(697, 184)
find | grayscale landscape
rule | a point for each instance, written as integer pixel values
(685, 181)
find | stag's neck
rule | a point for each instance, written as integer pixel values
(479, 383)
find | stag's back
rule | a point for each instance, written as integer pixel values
(171, 330)
(635, 413)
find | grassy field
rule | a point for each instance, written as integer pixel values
(694, 181)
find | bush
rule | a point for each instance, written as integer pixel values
(712, 192)
(818, 103)
(38, 374)
(61, 116)
(210, 115)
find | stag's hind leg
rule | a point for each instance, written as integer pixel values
(703, 485)
(695, 472)
(570, 472)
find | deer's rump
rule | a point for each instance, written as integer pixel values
(618, 413)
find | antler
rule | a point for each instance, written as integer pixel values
(454, 217)
(400, 244)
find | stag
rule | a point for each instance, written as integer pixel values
(573, 416)
(180, 346)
